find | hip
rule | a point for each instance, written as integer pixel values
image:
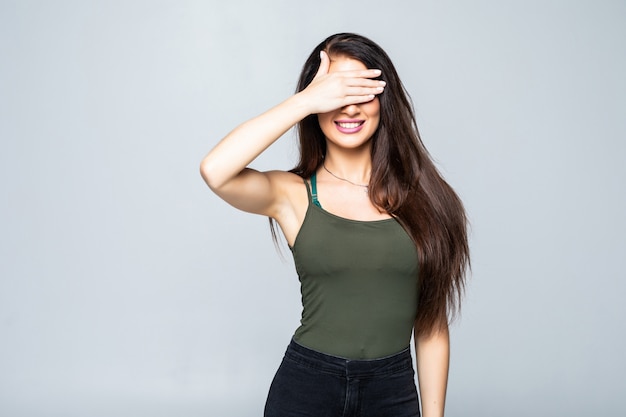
(312, 383)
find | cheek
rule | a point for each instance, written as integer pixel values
(325, 121)
(373, 108)
(323, 118)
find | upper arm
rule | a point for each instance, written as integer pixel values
(264, 193)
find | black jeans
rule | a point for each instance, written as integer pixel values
(310, 383)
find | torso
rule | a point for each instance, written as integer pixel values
(358, 282)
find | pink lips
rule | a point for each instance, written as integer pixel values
(349, 126)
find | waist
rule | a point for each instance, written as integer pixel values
(356, 326)
(349, 367)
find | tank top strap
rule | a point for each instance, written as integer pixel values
(313, 190)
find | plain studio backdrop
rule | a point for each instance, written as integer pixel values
(128, 289)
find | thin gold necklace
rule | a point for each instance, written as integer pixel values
(343, 179)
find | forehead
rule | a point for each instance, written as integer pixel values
(344, 63)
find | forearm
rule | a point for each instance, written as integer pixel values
(325, 93)
(433, 360)
(241, 146)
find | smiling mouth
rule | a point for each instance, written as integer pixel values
(349, 125)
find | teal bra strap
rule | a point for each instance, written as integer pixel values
(314, 190)
(308, 190)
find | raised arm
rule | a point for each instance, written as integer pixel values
(224, 168)
(433, 359)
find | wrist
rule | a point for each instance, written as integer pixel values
(301, 105)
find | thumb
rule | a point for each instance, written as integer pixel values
(324, 65)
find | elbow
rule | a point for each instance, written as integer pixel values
(209, 174)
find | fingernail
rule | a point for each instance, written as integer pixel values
(382, 83)
(377, 71)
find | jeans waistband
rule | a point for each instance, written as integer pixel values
(349, 367)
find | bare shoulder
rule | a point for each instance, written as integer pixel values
(288, 185)
(285, 180)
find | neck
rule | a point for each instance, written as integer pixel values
(354, 167)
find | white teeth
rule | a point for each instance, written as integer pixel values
(349, 125)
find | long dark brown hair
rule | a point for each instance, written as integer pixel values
(404, 182)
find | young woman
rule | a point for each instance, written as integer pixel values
(378, 237)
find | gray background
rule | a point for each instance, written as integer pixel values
(128, 289)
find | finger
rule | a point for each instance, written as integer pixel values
(364, 91)
(365, 82)
(358, 99)
(324, 65)
(367, 73)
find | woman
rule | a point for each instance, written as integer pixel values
(364, 210)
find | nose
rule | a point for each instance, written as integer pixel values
(351, 109)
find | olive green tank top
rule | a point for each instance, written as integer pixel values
(358, 283)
